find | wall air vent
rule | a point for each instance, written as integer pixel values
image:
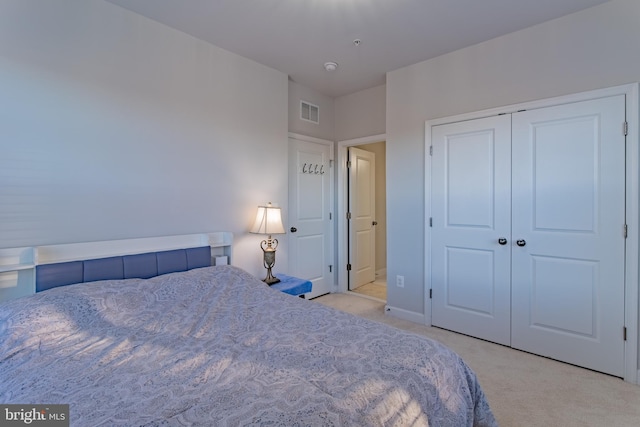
(309, 112)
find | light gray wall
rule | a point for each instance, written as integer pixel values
(324, 129)
(115, 126)
(361, 114)
(591, 49)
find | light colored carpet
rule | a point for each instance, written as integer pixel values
(523, 389)
(374, 290)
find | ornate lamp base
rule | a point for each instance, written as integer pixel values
(270, 279)
(269, 248)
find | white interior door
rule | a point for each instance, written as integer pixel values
(569, 216)
(310, 254)
(362, 236)
(471, 213)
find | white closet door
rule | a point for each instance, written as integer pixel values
(569, 215)
(471, 212)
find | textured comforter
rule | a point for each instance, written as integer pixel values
(217, 347)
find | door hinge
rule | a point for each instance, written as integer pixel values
(430, 293)
(625, 231)
(624, 333)
(330, 163)
(431, 150)
(625, 128)
(348, 267)
(330, 268)
(329, 216)
(348, 215)
(430, 221)
(348, 164)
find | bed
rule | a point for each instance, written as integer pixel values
(214, 346)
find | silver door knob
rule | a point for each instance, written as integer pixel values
(521, 242)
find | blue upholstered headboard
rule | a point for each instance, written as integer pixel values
(139, 266)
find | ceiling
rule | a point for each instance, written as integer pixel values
(297, 37)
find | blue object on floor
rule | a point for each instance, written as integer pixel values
(292, 285)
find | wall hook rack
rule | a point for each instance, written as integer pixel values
(313, 169)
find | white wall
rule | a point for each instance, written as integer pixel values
(591, 49)
(325, 128)
(356, 115)
(115, 126)
(361, 114)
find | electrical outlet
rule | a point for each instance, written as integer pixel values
(400, 281)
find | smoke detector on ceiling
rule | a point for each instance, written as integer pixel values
(330, 66)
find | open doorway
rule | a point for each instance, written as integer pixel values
(362, 245)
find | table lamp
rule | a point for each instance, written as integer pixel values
(268, 221)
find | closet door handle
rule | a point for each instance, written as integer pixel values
(521, 242)
(293, 229)
(502, 241)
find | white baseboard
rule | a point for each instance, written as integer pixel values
(381, 273)
(411, 316)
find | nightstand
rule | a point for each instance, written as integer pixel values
(292, 285)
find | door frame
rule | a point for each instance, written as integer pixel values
(632, 210)
(331, 237)
(342, 203)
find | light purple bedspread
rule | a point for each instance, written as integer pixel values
(217, 347)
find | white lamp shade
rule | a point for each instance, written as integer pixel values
(268, 221)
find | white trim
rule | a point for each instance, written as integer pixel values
(341, 212)
(540, 103)
(307, 138)
(633, 224)
(381, 272)
(427, 228)
(631, 92)
(403, 314)
(364, 140)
